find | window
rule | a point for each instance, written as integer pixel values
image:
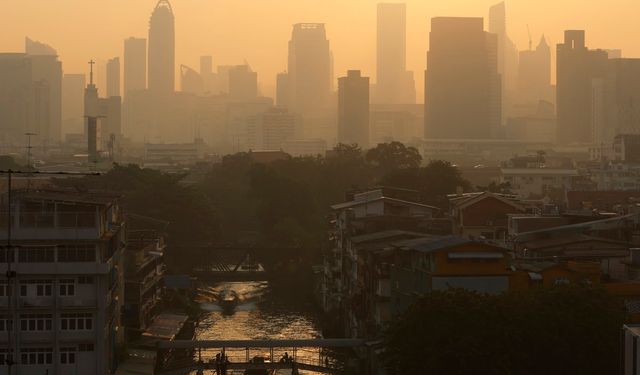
(35, 322)
(85, 347)
(36, 254)
(6, 324)
(5, 289)
(3, 256)
(4, 355)
(43, 288)
(67, 355)
(67, 287)
(79, 321)
(86, 253)
(85, 280)
(36, 356)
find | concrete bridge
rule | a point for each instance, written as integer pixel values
(305, 354)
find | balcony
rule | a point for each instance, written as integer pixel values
(77, 302)
(60, 225)
(35, 302)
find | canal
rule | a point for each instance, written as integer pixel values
(262, 312)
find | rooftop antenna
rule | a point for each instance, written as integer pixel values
(530, 41)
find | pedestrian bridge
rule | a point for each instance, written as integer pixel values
(317, 355)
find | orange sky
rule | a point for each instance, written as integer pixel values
(258, 30)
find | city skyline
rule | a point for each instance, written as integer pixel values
(203, 29)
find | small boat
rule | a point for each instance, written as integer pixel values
(228, 300)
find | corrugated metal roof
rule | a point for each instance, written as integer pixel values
(384, 235)
(430, 244)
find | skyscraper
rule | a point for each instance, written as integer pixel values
(73, 103)
(16, 98)
(507, 51)
(190, 80)
(309, 69)
(46, 74)
(282, 89)
(616, 102)
(162, 49)
(534, 74)
(353, 109)
(135, 64)
(462, 84)
(243, 84)
(113, 77)
(577, 67)
(394, 85)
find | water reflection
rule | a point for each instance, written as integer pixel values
(262, 312)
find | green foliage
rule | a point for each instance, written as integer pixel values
(394, 155)
(434, 181)
(566, 330)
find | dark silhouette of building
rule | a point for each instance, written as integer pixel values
(309, 69)
(577, 67)
(534, 74)
(190, 80)
(353, 109)
(16, 99)
(113, 77)
(394, 84)
(135, 64)
(462, 88)
(282, 89)
(162, 49)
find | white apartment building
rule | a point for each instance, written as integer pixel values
(60, 310)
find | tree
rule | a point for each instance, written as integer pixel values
(564, 330)
(394, 155)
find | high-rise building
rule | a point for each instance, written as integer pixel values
(282, 89)
(190, 80)
(135, 64)
(507, 51)
(309, 69)
(577, 67)
(534, 74)
(462, 84)
(272, 129)
(394, 85)
(46, 74)
(113, 77)
(243, 84)
(66, 296)
(207, 75)
(162, 54)
(73, 103)
(16, 99)
(616, 104)
(353, 109)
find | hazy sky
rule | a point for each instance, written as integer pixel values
(258, 30)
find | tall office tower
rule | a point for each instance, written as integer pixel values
(16, 100)
(577, 67)
(309, 69)
(113, 77)
(394, 85)
(353, 109)
(67, 296)
(135, 64)
(207, 74)
(616, 104)
(534, 74)
(162, 54)
(46, 74)
(190, 81)
(462, 84)
(73, 103)
(282, 89)
(243, 84)
(507, 51)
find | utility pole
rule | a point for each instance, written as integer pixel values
(29, 147)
